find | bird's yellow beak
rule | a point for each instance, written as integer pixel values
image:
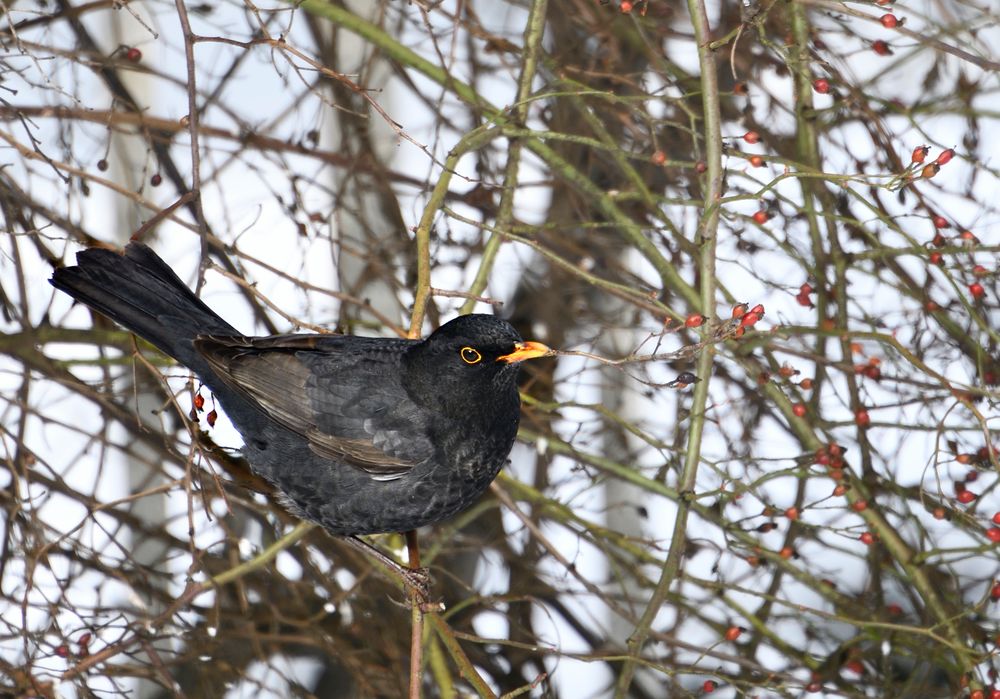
(526, 350)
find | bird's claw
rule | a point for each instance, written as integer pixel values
(418, 580)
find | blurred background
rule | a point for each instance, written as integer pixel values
(793, 496)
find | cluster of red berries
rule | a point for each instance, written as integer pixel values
(830, 455)
(747, 318)
(627, 6)
(984, 694)
(872, 369)
(932, 168)
(889, 21)
(982, 457)
(967, 238)
(82, 646)
(803, 296)
(199, 407)
(743, 317)
(967, 497)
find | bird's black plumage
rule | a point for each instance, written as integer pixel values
(361, 435)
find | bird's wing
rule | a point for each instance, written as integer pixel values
(343, 394)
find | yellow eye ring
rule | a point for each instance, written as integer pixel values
(470, 355)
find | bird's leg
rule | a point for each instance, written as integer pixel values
(417, 579)
(414, 567)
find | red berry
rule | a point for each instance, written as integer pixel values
(733, 632)
(996, 517)
(799, 409)
(867, 538)
(936, 258)
(839, 490)
(211, 418)
(814, 687)
(889, 21)
(995, 591)
(199, 401)
(793, 513)
(708, 686)
(968, 236)
(133, 54)
(881, 48)
(700, 167)
(977, 694)
(62, 651)
(859, 505)
(919, 153)
(751, 137)
(694, 320)
(965, 497)
(862, 418)
(658, 157)
(787, 371)
(977, 290)
(821, 85)
(156, 180)
(761, 217)
(626, 6)
(993, 534)
(945, 156)
(979, 271)
(84, 639)
(893, 609)
(756, 161)
(940, 221)
(930, 169)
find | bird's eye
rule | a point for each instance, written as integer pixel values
(470, 355)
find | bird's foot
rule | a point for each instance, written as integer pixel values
(418, 580)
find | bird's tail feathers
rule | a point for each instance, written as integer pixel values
(139, 291)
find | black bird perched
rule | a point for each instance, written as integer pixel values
(361, 435)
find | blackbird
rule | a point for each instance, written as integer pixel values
(360, 435)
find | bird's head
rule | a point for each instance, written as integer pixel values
(469, 362)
